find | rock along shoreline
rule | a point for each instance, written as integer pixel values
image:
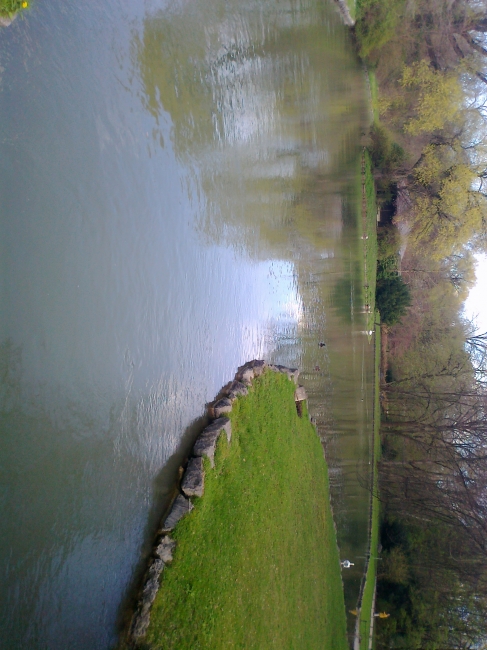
(345, 13)
(192, 482)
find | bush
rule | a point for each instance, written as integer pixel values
(388, 242)
(376, 24)
(386, 154)
(392, 299)
(395, 566)
(386, 267)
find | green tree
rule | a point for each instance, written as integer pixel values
(392, 299)
(376, 23)
(388, 241)
(439, 97)
(449, 202)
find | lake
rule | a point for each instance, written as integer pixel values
(178, 195)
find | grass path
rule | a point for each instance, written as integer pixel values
(368, 210)
(365, 618)
(257, 562)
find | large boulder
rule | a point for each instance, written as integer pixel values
(236, 389)
(300, 394)
(205, 444)
(221, 407)
(151, 583)
(164, 549)
(294, 374)
(245, 374)
(180, 507)
(193, 483)
(291, 373)
(249, 370)
(141, 619)
(258, 366)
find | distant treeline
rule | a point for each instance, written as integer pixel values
(429, 147)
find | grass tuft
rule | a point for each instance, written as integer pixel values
(12, 7)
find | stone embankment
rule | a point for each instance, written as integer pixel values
(193, 480)
(345, 12)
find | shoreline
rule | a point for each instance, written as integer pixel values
(192, 479)
(345, 12)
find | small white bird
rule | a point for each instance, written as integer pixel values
(346, 564)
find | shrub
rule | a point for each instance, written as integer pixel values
(388, 242)
(392, 299)
(386, 267)
(376, 24)
(386, 154)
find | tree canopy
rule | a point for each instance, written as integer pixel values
(430, 59)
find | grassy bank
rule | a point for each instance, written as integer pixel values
(351, 4)
(257, 563)
(12, 7)
(374, 94)
(368, 220)
(366, 612)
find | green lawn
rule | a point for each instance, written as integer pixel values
(371, 232)
(368, 220)
(257, 562)
(367, 597)
(374, 94)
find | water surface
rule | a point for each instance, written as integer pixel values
(178, 195)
